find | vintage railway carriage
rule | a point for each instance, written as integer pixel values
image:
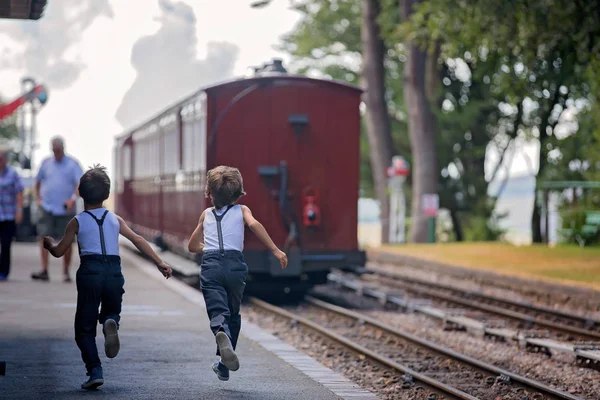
(296, 142)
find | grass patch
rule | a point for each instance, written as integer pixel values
(565, 264)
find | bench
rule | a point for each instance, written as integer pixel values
(588, 230)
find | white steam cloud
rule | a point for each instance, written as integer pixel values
(45, 43)
(167, 65)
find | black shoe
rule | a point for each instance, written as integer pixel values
(96, 379)
(221, 371)
(67, 279)
(40, 276)
(228, 356)
(111, 338)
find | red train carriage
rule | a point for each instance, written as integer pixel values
(296, 142)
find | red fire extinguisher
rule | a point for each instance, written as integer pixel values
(311, 214)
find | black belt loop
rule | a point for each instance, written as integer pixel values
(218, 218)
(100, 222)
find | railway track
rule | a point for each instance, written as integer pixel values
(579, 322)
(446, 373)
(565, 326)
(586, 354)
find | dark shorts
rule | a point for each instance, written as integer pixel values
(52, 225)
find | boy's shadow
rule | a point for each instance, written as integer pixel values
(233, 394)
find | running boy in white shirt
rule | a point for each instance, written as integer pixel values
(99, 277)
(220, 237)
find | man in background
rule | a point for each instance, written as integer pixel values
(11, 210)
(56, 193)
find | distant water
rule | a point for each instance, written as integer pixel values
(517, 198)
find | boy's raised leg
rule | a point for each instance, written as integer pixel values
(236, 278)
(228, 356)
(110, 314)
(111, 338)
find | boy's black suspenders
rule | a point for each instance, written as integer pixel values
(100, 222)
(218, 218)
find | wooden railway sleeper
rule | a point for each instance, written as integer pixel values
(585, 362)
(453, 326)
(532, 348)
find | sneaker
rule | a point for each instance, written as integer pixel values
(67, 279)
(3, 277)
(221, 370)
(228, 356)
(96, 379)
(111, 338)
(41, 276)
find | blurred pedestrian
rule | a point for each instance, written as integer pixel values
(11, 210)
(56, 192)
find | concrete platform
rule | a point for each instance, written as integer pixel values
(166, 345)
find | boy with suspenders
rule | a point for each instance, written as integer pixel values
(220, 237)
(99, 277)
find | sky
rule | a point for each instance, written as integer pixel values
(111, 64)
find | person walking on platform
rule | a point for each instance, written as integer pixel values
(220, 237)
(56, 193)
(99, 278)
(11, 210)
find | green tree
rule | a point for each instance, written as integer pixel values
(546, 50)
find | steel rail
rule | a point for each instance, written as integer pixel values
(363, 350)
(486, 297)
(442, 350)
(584, 355)
(497, 310)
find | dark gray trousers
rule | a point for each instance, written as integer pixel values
(222, 280)
(99, 283)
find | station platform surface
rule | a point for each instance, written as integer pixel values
(166, 345)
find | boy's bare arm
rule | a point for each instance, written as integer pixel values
(58, 250)
(145, 248)
(260, 231)
(196, 242)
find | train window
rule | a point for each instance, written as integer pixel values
(146, 158)
(125, 165)
(137, 158)
(118, 171)
(171, 150)
(154, 155)
(188, 146)
(200, 145)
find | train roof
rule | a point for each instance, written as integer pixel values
(273, 76)
(22, 9)
(265, 77)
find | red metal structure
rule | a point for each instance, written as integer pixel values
(296, 143)
(38, 92)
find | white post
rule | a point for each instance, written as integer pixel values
(393, 212)
(401, 215)
(397, 176)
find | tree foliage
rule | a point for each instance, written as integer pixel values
(545, 52)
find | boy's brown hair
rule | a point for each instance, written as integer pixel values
(94, 185)
(225, 184)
